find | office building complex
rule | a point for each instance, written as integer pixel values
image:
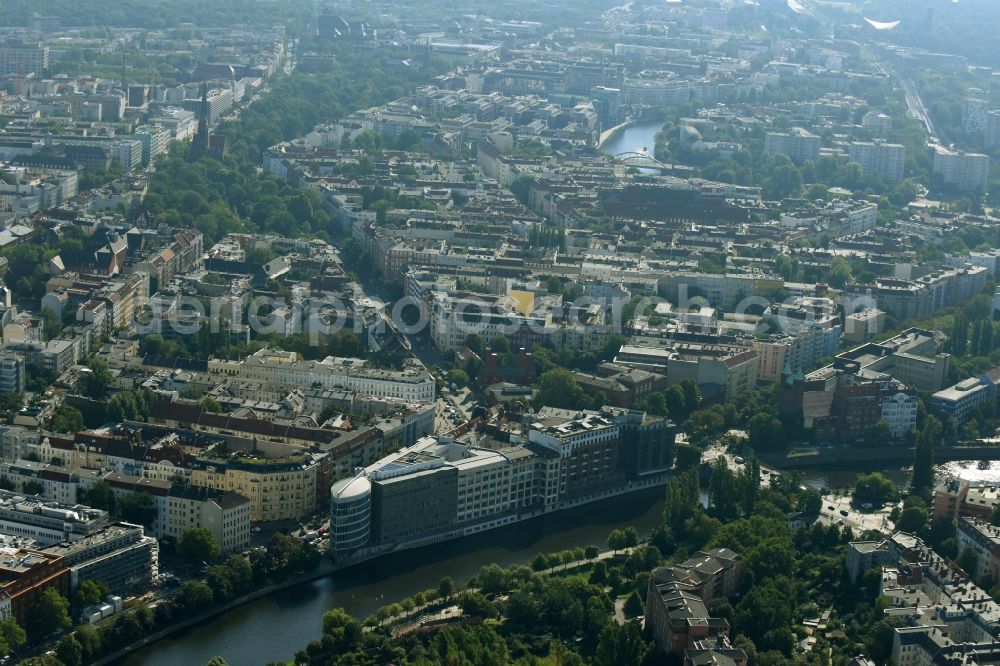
(440, 488)
(119, 555)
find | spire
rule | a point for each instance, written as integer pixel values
(203, 116)
(199, 145)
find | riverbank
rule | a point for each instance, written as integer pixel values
(609, 134)
(325, 568)
(602, 556)
(274, 622)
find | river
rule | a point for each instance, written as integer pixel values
(274, 628)
(634, 139)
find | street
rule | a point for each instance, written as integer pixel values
(836, 506)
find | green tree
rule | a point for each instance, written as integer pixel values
(90, 638)
(619, 644)
(342, 628)
(500, 345)
(748, 485)
(691, 393)
(723, 495)
(100, 496)
(923, 456)
(616, 540)
(88, 593)
(874, 488)
(48, 614)
(70, 651)
(769, 559)
(66, 419)
(475, 604)
(809, 502)
(196, 595)
(764, 614)
(51, 324)
(492, 579)
(12, 402)
(458, 376)
(558, 388)
(137, 508)
(765, 433)
(94, 384)
(12, 636)
(686, 456)
(220, 579)
(912, 519)
(681, 501)
(633, 605)
(540, 562)
(198, 545)
(474, 341)
(839, 273)
(210, 404)
(446, 587)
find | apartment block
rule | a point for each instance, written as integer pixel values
(798, 144)
(22, 58)
(12, 378)
(677, 601)
(882, 160)
(412, 383)
(277, 488)
(963, 171)
(226, 515)
(984, 540)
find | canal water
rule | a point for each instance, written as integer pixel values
(274, 628)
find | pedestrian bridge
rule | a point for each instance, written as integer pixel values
(640, 161)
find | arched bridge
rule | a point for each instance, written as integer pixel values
(640, 161)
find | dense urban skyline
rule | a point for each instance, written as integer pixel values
(303, 296)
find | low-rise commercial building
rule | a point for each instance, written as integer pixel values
(722, 370)
(24, 575)
(47, 521)
(961, 400)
